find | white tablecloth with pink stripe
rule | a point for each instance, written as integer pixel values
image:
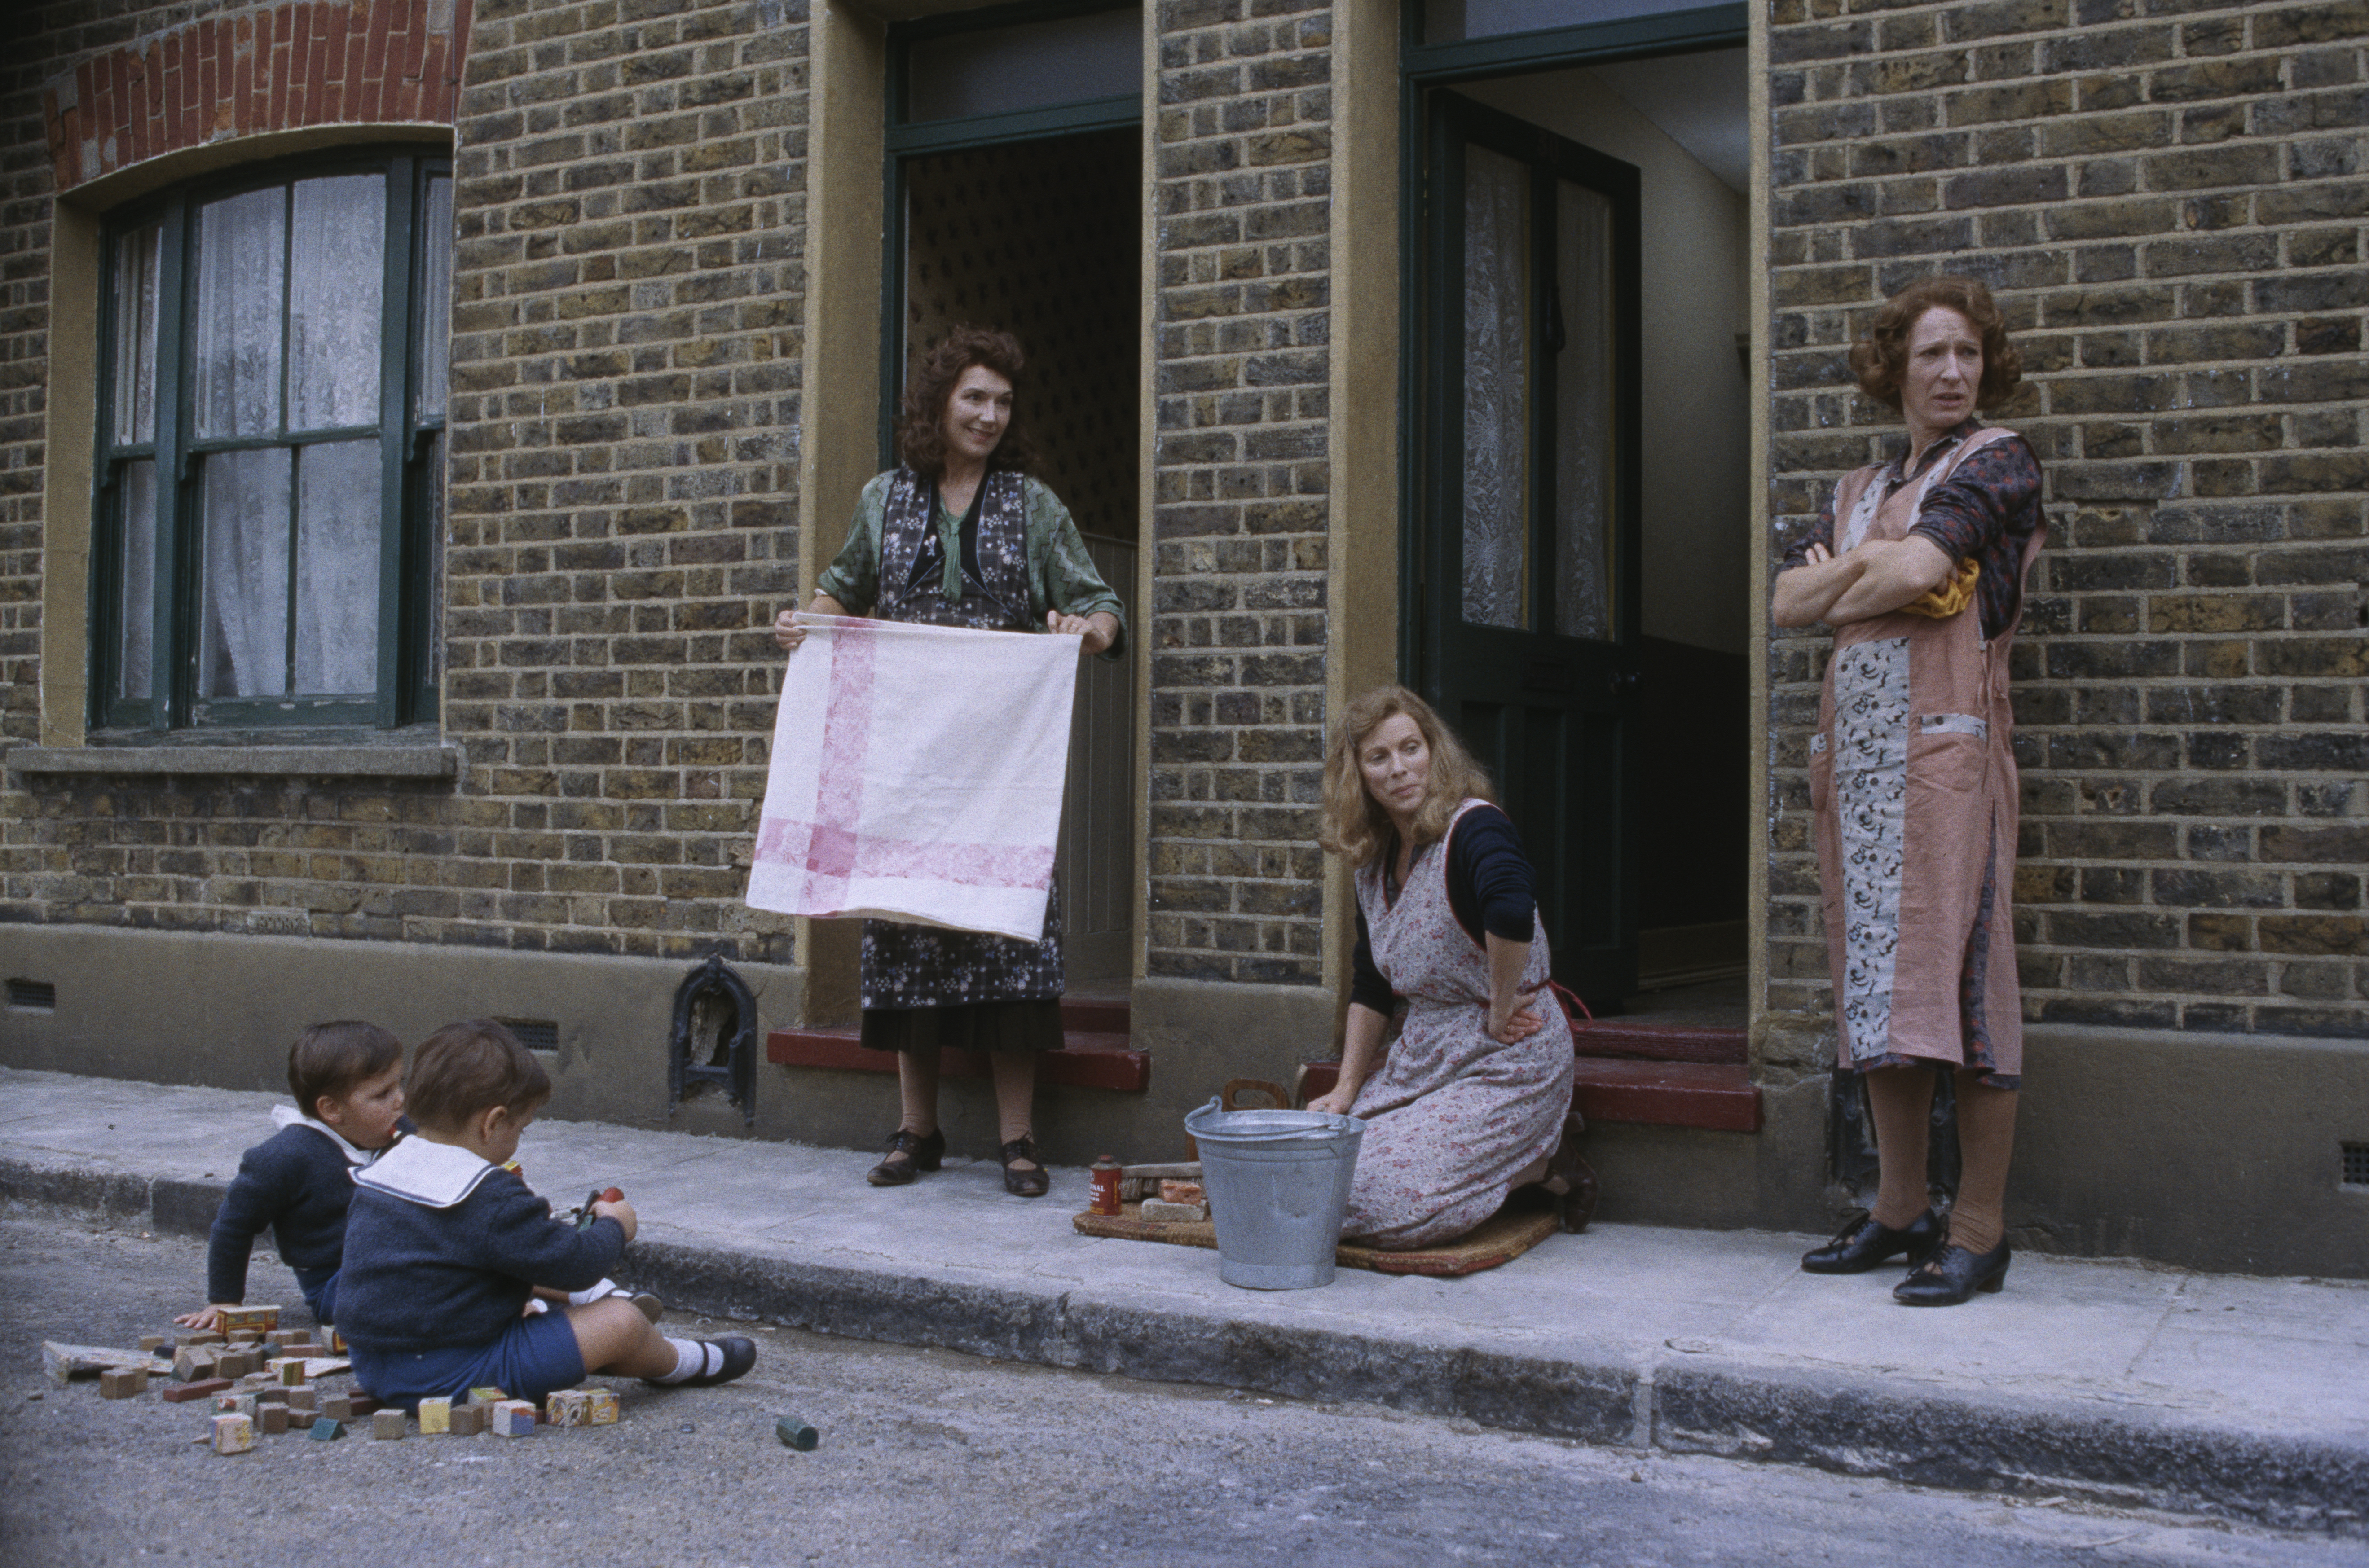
(916, 775)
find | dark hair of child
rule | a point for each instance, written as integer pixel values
(467, 1068)
(328, 1059)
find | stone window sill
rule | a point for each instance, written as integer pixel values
(405, 759)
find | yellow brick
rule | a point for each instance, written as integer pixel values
(435, 1417)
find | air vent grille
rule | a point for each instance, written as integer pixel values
(2356, 1164)
(534, 1034)
(36, 996)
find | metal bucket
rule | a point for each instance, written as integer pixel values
(1279, 1185)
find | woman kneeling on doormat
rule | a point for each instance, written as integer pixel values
(1919, 565)
(1472, 1098)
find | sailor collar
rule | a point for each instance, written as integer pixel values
(434, 1175)
(288, 1115)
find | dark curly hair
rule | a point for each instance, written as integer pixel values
(922, 417)
(1881, 359)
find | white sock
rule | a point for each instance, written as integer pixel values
(693, 1357)
(605, 1289)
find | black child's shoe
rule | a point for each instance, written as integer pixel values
(1862, 1244)
(908, 1155)
(1952, 1274)
(739, 1355)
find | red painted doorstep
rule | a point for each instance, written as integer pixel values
(1647, 1041)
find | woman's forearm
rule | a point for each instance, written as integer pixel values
(1804, 594)
(1507, 962)
(824, 605)
(1897, 572)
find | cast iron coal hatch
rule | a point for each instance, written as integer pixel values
(38, 996)
(2356, 1164)
(534, 1034)
(715, 1038)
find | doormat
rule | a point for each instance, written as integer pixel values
(1503, 1237)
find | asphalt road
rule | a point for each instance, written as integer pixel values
(931, 1459)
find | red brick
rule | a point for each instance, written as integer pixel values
(204, 1388)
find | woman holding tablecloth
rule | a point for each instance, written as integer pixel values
(959, 535)
(1472, 1098)
(1919, 565)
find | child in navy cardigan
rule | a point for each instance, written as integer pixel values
(444, 1249)
(348, 1081)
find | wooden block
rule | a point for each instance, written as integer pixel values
(604, 1407)
(568, 1407)
(271, 1396)
(435, 1417)
(259, 1320)
(512, 1418)
(155, 1344)
(193, 1361)
(279, 1339)
(304, 1396)
(348, 1407)
(256, 1382)
(796, 1433)
(123, 1382)
(272, 1420)
(468, 1420)
(336, 1342)
(233, 1434)
(488, 1395)
(204, 1388)
(245, 1339)
(205, 1336)
(234, 1403)
(326, 1430)
(65, 1362)
(388, 1424)
(289, 1370)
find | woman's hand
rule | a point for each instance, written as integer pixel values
(1519, 1023)
(1099, 629)
(1336, 1100)
(789, 633)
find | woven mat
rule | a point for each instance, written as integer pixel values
(1504, 1236)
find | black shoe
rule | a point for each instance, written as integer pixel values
(908, 1155)
(1862, 1244)
(739, 1355)
(1033, 1183)
(1952, 1274)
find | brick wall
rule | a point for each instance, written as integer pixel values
(1239, 625)
(628, 184)
(2168, 201)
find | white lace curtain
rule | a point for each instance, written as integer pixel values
(1497, 388)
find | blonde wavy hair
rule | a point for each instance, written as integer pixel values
(1356, 826)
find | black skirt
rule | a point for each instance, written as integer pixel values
(1027, 1025)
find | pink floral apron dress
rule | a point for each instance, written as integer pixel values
(1453, 1117)
(1913, 792)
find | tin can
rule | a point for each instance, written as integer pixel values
(1105, 1177)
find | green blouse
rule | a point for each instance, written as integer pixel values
(1061, 576)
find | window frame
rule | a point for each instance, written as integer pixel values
(405, 687)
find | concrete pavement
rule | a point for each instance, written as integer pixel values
(2248, 1396)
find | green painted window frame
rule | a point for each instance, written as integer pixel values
(405, 689)
(905, 138)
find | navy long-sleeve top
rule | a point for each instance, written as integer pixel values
(297, 1185)
(418, 1278)
(1490, 889)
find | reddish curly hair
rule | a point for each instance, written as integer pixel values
(1881, 359)
(921, 415)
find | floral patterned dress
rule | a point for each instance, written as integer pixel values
(1453, 1117)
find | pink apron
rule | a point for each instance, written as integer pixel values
(1913, 786)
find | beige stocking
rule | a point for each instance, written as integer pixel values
(1902, 1100)
(1985, 1140)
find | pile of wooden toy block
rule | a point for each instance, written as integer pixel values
(1166, 1192)
(258, 1380)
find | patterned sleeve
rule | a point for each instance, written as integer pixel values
(1066, 578)
(1821, 533)
(1967, 512)
(854, 576)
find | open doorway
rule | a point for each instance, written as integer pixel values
(1670, 855)
(1037, 230)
